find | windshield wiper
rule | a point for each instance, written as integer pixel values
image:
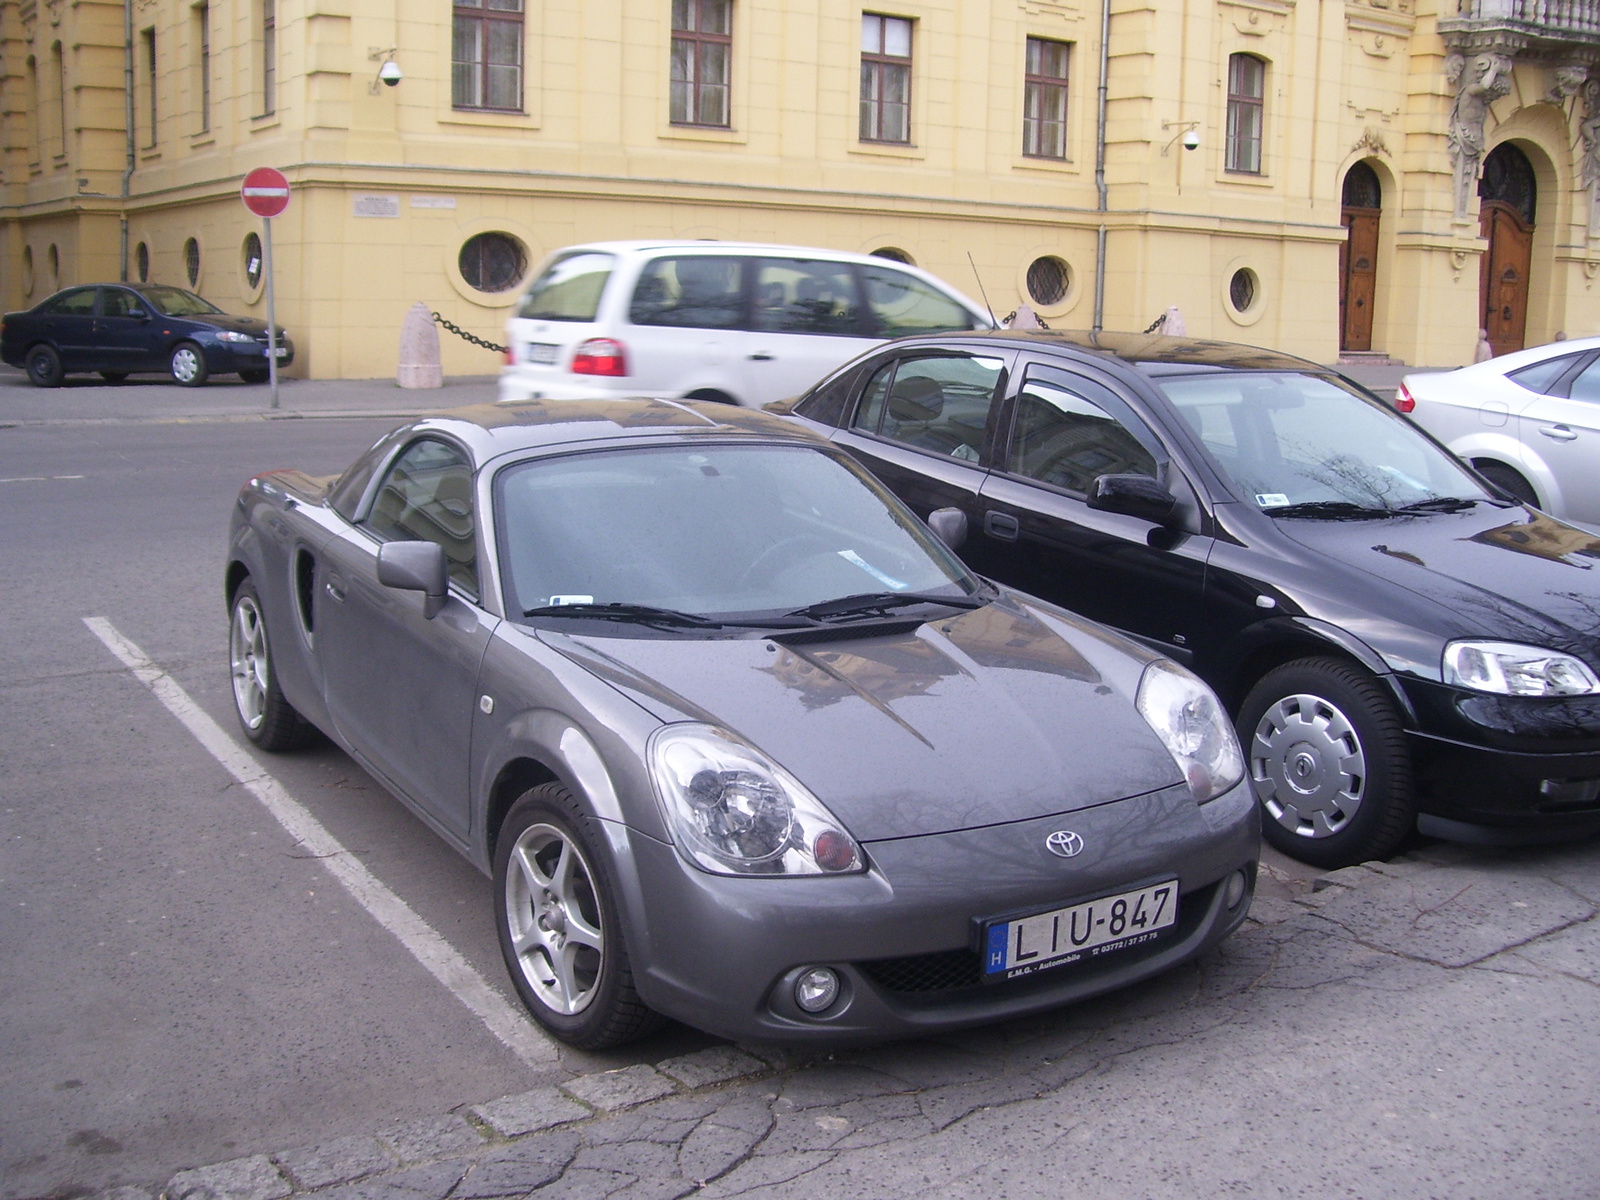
(1328, 510)
(644, 614)
(867, 603)
(1442, 504)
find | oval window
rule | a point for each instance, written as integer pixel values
(893, 255)
(252, 260)
(1049, 279)
(27, 270)
(1242, 290)
(191, 261)
(493, 262)
(141, 258)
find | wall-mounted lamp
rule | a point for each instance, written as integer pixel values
(1187, 133)
(389, 74)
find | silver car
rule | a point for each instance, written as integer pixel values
(1528, 421)
(741, 742)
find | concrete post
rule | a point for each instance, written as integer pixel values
(419, 350)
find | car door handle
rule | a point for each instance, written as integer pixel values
(762, 356)
(1001, 525)
(335, 588)
(1558, 433)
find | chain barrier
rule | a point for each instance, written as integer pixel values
(471, 337)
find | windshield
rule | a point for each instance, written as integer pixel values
(175, 302)
(710, 530)
(569, 289)
(1289, 440)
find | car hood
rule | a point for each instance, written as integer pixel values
(254, 326)
(1507, 573)
(999, 714)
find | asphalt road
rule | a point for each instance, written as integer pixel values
(181, 983)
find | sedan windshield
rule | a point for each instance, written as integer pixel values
(667, 534)
(1307, 446)
(175, 302)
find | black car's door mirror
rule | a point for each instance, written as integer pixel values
(1133, 496)
(949, 525)
(415, 567)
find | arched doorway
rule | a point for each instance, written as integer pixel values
(1358, 256)
(1508, 199)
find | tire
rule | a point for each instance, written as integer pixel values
(43, 365)
(267, 718)
(550, 881)
(1509, 480)
(254, 375)
(113, 376)
(188, 365)
(1326, 754)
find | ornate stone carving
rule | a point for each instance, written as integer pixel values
(1371, 140)
(1589, 134)
(1480, 80)
(1565, 81)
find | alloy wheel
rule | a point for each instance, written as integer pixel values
(247, 653)
(554, 919)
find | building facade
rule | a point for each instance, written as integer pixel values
(1383, 176)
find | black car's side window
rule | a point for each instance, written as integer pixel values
(938, 403)
(426, 496)
(74, 304)
(1069, 431)
(117, 303)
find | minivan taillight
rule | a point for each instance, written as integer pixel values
(600, 356)
(1404, 401)
(510, 356)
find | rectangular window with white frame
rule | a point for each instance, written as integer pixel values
(269, 57)
(702, 49)
(885, 79)
(202, 66)
(486, 66)
(1044, 108)
(147, 39)
(1247, 79)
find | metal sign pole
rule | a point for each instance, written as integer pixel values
(272, 316)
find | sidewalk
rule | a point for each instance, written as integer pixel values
(1421, 1028)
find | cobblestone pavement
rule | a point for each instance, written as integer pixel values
(1419, 1028)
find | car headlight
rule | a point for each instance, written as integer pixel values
(229, 335)
(734, 811)
(1508, 669)
(1190, 721)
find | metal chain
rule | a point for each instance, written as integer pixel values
(471, 337)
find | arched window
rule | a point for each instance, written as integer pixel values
(1361, 188)
(1247, 89)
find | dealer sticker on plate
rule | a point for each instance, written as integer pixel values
(1079, 932)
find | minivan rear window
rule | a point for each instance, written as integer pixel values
(569, 289)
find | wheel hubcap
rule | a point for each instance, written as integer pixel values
(247, 652)
(554, 918)
(184, 364)
(1307, 765)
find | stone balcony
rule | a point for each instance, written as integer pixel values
(1546, 29)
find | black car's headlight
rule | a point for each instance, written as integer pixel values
(229, 335)
(1191, 722)
(734, 811)
(1507, 669)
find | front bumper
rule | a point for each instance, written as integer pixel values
(721, 953)
(223, 358)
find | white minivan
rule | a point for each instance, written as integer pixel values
(740, 323)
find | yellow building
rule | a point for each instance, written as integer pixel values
(1297, 175)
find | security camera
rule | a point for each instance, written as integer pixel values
(1191, 139)
(391, 74)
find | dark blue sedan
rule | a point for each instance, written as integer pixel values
(118, 329)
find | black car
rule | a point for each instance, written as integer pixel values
(1401, 644)
(118, 329)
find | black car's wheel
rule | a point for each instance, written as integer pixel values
(43, 365)
(1509, 480)
(254, 375)
(113, 376)
(1328, 761)
(268, 719)
(559, 927)
(188, 365)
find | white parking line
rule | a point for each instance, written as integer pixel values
(440, 959)
(38, 478)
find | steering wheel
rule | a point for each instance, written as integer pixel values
(764, 558)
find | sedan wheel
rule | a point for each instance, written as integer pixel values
(189, 365)
(1328, 762)
(268, 719)
(559, 927)
(43, 365)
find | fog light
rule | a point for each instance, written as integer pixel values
(1235, 889)
(816, 989)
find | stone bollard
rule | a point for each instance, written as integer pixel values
(419, 350)
(1484, 352)
(1173, 324)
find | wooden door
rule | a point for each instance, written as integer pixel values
(1503, 275)
(1358, 277)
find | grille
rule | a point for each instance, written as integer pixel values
(925, 972)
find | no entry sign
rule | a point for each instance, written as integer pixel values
(265, 192)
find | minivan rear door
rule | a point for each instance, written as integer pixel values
(685, 333)
(806, 319)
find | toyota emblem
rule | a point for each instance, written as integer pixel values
(1064, 843)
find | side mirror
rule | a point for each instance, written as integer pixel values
(1133, 496)
(949, 525)
(416, 567)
